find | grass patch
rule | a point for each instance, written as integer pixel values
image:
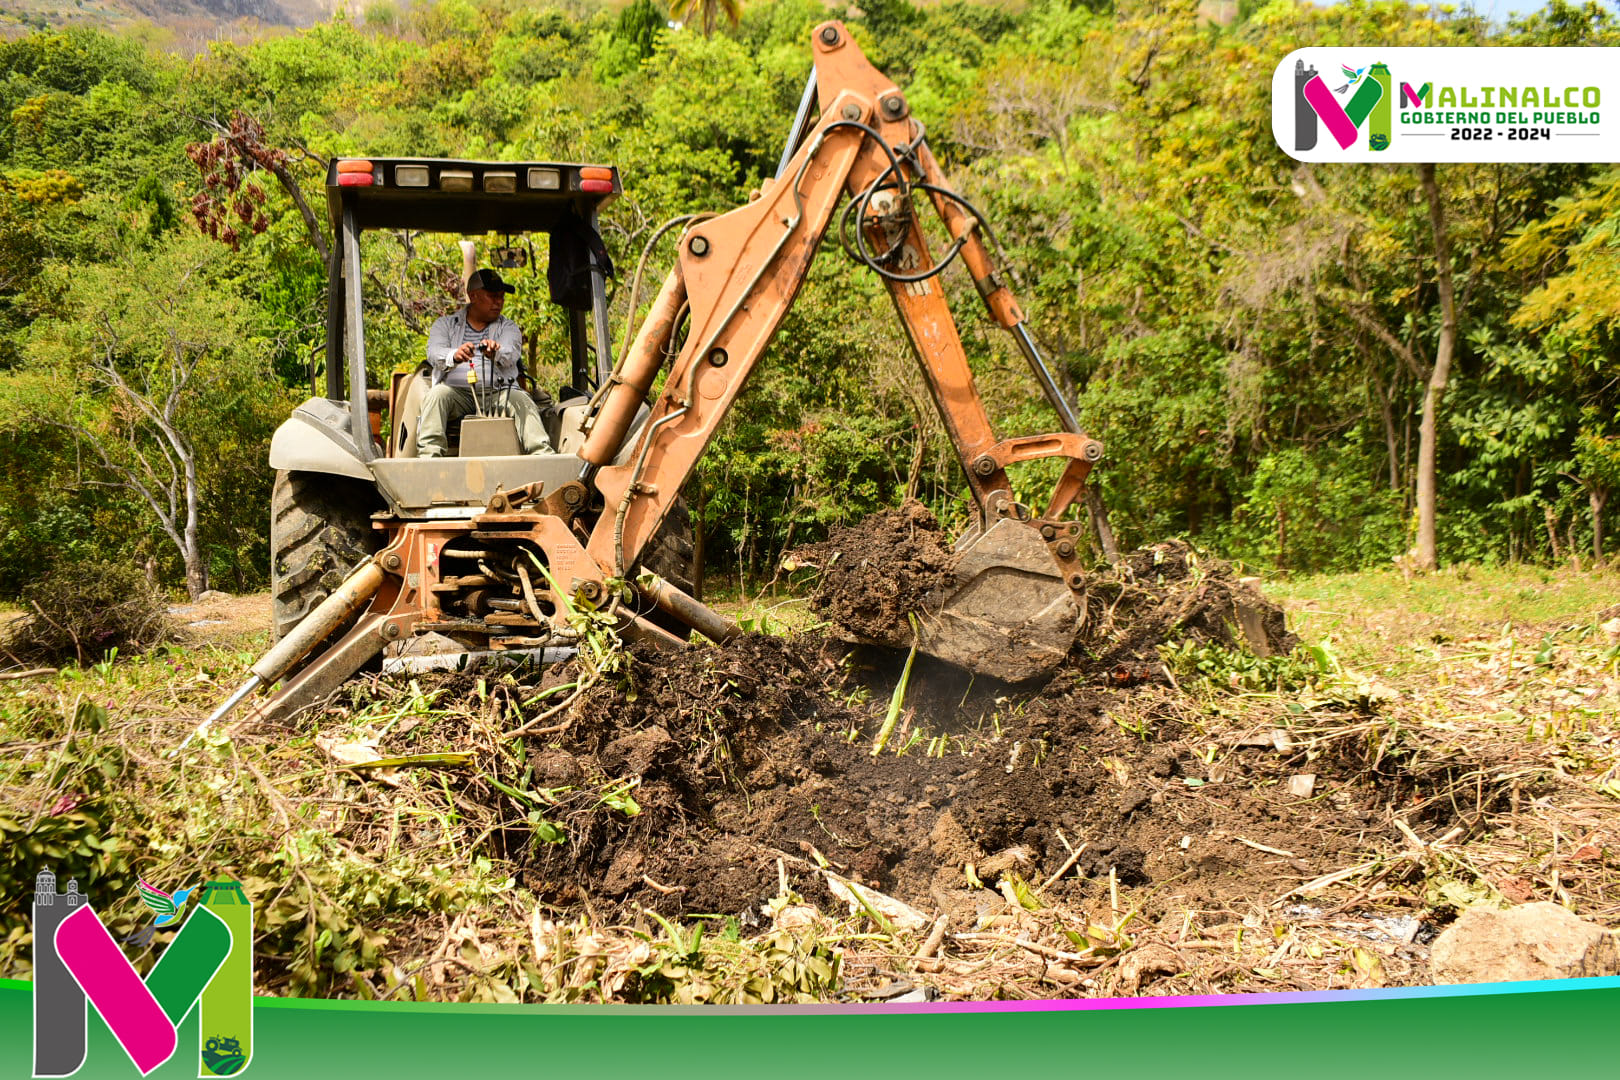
(1385, 621)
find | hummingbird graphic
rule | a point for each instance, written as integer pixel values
(165, 907)
(1353, 75)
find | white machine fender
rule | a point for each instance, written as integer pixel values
(316, 438)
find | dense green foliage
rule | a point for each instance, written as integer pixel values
(1246, 334)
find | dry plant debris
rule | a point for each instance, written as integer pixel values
(83, 613)
(715, 828)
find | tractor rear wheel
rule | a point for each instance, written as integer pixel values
(671, 553)
(672, 556)
(320, 530)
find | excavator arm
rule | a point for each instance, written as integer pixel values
(1011, 612)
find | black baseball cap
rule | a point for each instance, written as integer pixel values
(490, 280)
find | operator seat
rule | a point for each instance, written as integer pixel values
(410, 389)
(409, 398)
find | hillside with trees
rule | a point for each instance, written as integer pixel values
(1304, 368)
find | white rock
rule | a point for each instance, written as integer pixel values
(1534, 941)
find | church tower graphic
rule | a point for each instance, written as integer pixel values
(59, 1017)
(1304, 115)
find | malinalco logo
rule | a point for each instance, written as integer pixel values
(1364, 98)
(79, 965)
(1404, 104)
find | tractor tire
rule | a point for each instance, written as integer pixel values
(320, 530)
(671, 555)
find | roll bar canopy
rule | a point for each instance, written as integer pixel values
(472, 198)
(467, 197)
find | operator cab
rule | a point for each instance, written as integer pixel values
(468, 198)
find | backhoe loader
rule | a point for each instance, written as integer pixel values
(379, 552)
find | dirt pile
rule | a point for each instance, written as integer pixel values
(1168, 593)
(694, 739)
(759, 751)
(878, 571)
(688, 783)
(748, 754)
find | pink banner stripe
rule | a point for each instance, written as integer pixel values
(115, 989)
(1332, 113)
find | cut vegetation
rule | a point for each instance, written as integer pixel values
(1173, 813)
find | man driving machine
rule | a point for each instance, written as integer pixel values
(474, 353)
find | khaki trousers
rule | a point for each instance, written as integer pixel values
(445, 405)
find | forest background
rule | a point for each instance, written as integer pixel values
(1256, 341)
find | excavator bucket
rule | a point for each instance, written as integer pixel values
(1006, 612)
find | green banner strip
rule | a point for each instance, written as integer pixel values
(1480, 1036)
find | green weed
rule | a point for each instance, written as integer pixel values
(1241, 670)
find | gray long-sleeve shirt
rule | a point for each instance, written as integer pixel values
(449, 333)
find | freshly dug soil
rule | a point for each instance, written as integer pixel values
(874, 574)
(742, 756)
(1166, 593)
(758, 752)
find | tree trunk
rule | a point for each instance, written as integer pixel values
(312, 224)
(1406, 463)
(1434, 394)
(1598, 497)
(1519, 546)
(1425, 547)
(1551, 517)
(1391, 445)
(196, 573)
(191, 551)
